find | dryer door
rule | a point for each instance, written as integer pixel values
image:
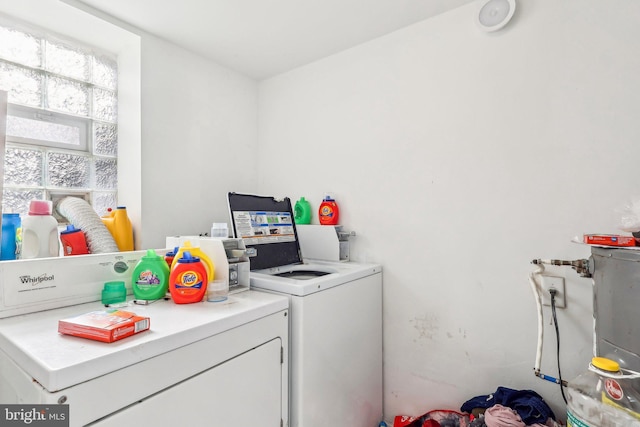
(245, 391)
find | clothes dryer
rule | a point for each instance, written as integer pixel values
(198, 364)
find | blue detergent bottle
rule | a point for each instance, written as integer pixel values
(10, 233)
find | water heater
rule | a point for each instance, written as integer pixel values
(616, 304)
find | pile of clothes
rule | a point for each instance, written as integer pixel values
(503, 408)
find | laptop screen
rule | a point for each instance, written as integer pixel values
(267, 225)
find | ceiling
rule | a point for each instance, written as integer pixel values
(262, 38)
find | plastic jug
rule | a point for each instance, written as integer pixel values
(119, 226)
(73, 241)
(196, 252)
(302, 211)
(602, 397)
(10, 229)
(219, 229)
(150, 280)
(188, 280)
(169, 256)
(328, 212)
(40, 232)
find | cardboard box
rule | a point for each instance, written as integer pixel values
(106, 326)
(609, 240)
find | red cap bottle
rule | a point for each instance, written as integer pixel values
(328, 211)
(73, 241)
(188, 280)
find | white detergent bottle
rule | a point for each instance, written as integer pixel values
(40, 237)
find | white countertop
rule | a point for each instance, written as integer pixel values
(59, 361)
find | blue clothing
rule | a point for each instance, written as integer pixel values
(527, 403)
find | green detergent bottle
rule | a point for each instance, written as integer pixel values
(150, 280)
(302, 212)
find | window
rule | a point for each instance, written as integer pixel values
(62, 135)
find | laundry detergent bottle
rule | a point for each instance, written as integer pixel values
(169, 257)
(195, 251)
(119, 225)
(328, 211)
(150, 280)
(302, 211)
(73, 241)
(188, 280)
(40, 237)
(10, 227)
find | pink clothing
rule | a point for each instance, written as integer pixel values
(501, 416)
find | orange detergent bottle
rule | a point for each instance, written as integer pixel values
(328, 211)
(188, 280)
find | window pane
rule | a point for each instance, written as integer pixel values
(57, 88)
(24, 85)
(68, 96)
(20, 47)
(105, 72)
(23, 167)
(106, 174)
(105, 105)
(105, 139)
(42, 130)
(18, 200)
(103, 201)
(68, 170)
(67, 61)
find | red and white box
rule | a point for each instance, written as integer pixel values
(609, 240)
(105, 325)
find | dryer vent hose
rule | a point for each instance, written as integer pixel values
(79, 213)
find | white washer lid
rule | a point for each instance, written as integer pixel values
(339, 274)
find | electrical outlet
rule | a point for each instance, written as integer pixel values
(557, 283)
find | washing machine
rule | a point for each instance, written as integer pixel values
(223, 363)
(335, 317)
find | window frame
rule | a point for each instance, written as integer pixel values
(86, 124)
(27, 112)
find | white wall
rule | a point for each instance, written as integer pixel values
(458, 157)
(199, 141)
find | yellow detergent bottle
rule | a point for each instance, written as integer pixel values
(119, 226)
(196, 252)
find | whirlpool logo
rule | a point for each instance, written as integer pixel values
(36, 280)
(34, 415)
